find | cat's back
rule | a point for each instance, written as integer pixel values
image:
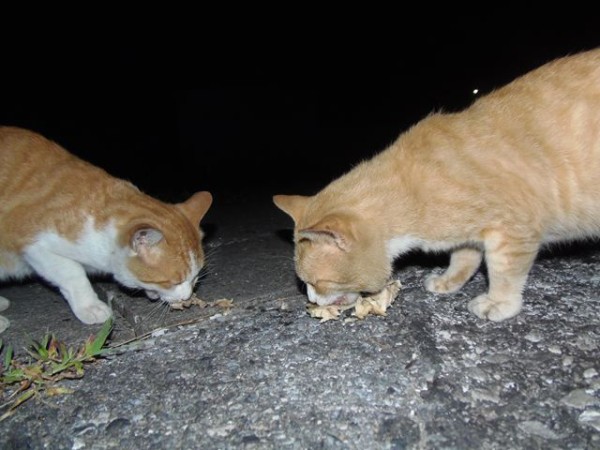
(28, 158)
(34, 166)
(571, 70)
(551, 111)
(549, 116)
(552, 92)
(15, 140)
(44, 187)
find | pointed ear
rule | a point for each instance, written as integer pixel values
(145, 238)
(333, 229)
(195, 207)
(292, 205)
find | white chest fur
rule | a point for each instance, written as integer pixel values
(94, 248)
(62, 262)
(403, 244)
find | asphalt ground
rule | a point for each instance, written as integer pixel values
(259, 372)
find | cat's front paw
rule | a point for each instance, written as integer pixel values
(90, 313)
(4, 323)
(442, 284)
(4, 303)
(495, 310)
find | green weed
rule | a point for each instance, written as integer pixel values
(50, 361)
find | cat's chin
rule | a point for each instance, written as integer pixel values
(177, 293)
(338, 300)
(152, 295)
(346, 299)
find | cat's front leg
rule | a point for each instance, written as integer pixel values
(508, 261)
(70, 277)
(464, 262)
(4, 322)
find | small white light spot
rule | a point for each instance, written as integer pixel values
(475, 91)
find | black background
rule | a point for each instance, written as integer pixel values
(262, 114)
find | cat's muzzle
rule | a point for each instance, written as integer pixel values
(337, 298)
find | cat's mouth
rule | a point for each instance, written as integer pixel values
(337, 299)
(176, 293)
(155, 295)
(346, 299)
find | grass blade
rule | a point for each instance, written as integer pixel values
(95, 348)
(8, 356)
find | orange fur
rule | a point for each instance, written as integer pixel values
(518, 168)
(45, 189)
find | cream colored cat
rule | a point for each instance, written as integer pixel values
(61, 217)
(519, 168)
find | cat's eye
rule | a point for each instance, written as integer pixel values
(159, 282)
(326, 285)
(165, 284)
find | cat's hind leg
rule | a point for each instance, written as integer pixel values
(4, 322)
(464, 262)
(508, 261)
(70, 277)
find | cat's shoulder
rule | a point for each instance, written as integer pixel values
(12, 133)
(20, 140)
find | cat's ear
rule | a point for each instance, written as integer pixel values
(334, 229)
(292, 205)
(144, 239)
(143, 243)
(195, 207)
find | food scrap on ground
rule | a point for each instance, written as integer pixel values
(184, 304)
(375, 304)
(223, 303)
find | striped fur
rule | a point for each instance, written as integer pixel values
(61, 217)
(517, 169)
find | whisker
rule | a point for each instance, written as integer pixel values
(164, 313)
(154, 312)
(211, 252)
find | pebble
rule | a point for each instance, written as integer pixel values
(579, 398)
(538, 429)
(533, 337)
(444, 334)
(591, 418)
(159, 332)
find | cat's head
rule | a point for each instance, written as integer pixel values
(337, 254)
(163, 249)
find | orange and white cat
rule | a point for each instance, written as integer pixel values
(61, 217)
(517, 169)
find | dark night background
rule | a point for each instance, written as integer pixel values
(180, 117)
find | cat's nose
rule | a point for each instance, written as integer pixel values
(182, 291)
(153, 295)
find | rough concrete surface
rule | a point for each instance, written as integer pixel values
(263, 374)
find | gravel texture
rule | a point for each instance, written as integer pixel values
(263, 374)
